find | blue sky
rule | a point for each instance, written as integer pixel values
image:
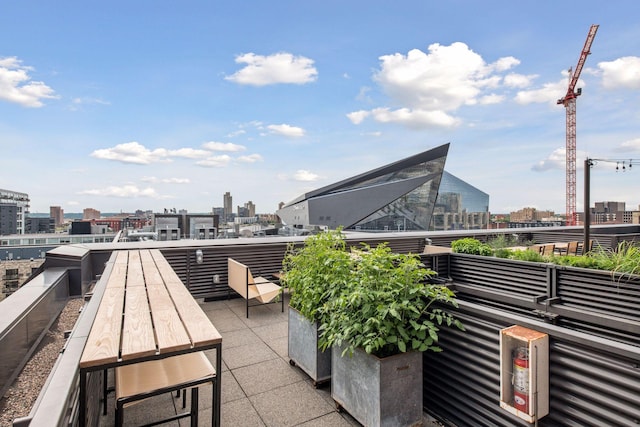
(131, 105)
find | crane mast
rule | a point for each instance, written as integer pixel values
(569, 102)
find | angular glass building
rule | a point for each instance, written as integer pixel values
(460, 206)
(398, 196)
(413, 194)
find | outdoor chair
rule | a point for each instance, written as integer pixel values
(572, 248)
(139, 381)
(582, 250)
(248, 287)
(548, 249)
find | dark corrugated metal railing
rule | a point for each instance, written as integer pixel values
(263, 258)
(600, 291)
(589, 384)
(494, 278)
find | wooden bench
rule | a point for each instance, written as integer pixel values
(248, 287)
(140, 381)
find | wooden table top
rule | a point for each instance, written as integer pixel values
(145, 311)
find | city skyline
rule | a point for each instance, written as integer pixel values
(120, 106)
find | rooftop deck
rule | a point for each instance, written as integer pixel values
(588, 324)
(259, 387)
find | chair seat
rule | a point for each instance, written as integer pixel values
(167, 374)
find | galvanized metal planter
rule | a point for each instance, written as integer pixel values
(303, 348)
(378, 392)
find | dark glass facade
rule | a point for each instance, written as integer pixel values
(397, 197)
(460, 206)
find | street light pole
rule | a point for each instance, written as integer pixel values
(587, 211)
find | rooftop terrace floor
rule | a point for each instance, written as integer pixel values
(259, 386)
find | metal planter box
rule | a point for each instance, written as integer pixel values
(378, 392)
(303, 348)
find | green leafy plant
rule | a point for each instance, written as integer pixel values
(528, 255)
(386, 307)
(502, 241)
(316, 271)
(624, 260)
(472, 246)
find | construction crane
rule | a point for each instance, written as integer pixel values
(569, 102)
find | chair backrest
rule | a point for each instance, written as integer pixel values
(572, 248)
(548, 249)
(239, 277)
(537, 248)
(588, 249)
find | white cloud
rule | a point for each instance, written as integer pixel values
(223, 146)
(305, 176)
(215, 161)
(286, 130)
(251, 158)
(622, 73)
(85, 101)
(187, 153)
(132, 152)
(415, 118)
(506, 63)
(549, 92)
(125, 191)
(519, 80)
(236, 133)
(491, 99)
(630, 146)
(273, 69)
(430, 87)
(16, 85)
(155, 180)
(358, 117)
(556, 160)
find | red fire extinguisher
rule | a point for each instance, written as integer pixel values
(521, 379)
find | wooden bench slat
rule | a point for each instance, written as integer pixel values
(200, 329)
(137, 332)
(134, 271)
(101, 347)
(118, 275)
(170, 332)
(152, 276)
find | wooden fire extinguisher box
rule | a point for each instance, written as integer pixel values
(524, 372)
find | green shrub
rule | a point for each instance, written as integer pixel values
(528, 255)
(503, 253)
(315, 272)
(472, 246)
(624, 260)
(386, 308)
(502, 241)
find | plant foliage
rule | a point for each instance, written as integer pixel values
(624, 260)
(316, 271)
(472, 246)
(386, 307)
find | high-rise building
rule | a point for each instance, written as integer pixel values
(21, 203)
(90, 213)
(57, 213)
(228, 206)
(8, 218)
(250, 209)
